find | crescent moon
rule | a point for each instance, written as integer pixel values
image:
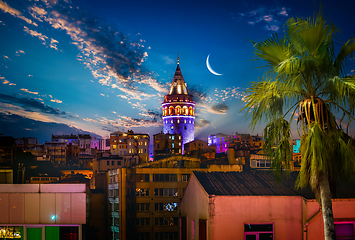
(209, 66)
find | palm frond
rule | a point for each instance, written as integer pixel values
(346, 51)
(277, 136)
(314, 155)
(265, 100)
(273, 50)
(341, 91)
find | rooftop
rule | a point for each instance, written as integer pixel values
(259, 183)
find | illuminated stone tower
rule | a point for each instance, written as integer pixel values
(179, 109)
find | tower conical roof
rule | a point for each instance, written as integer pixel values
(178, 86)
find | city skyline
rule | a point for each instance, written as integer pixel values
(83, 66)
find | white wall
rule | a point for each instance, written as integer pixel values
(42, 204)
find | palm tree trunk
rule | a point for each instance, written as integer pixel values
(326, 201)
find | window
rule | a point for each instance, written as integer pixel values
(170, 207)
(260, 163)
(142, 206)
(142, 192)
(165, 177)
(108, 163)
(344, 230)
(165, 192)
(143, 236)
(142, 221)
(166, 236)
(142, 178)
(259, 231)
(185, 177)
(112, 163)
(166, 221)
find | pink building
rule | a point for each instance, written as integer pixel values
(253, 206)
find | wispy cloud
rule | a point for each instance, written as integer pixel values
(168, 60)
(202, 123)
(133, 93)
(129, 122)
(14, 12)
(89, 120)
(26, 90)
(31, 105)
(272, 18)
(53, 44)
(4, 81)
(56, 101)
(34, 33)
(18, 52)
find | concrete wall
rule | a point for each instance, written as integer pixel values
(343, 211)
(226, 215)
(230, 213)
(42, 204)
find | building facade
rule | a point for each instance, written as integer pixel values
(179, 109)
(130, 144)
(166, 144)
(144, 201)
(56, 152)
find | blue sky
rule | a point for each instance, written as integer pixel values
(99, 66)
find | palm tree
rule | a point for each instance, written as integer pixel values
(305, 80)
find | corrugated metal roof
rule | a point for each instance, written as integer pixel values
(259, 183)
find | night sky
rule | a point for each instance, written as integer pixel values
(102, 66)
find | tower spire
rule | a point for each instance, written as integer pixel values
(178, 61)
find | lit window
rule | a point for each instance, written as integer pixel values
(172, 137)
(172, 127)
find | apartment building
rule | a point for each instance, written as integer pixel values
(130, 143)
(144, 201)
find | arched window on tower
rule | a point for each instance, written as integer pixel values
(190, 111)
(171, 110)
(185, 111)
(165, 111)
(178, 110)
